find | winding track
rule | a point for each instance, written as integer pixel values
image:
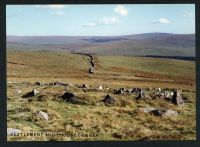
(92, 62)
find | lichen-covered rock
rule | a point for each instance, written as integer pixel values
(177, 98)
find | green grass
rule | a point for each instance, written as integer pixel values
(169, 67)
(45, 64)
(120, 122)
(126, 121)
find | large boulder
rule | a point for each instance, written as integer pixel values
(34, 92)
(177, 98)
(140, 95)
(109, 100)
(71, 97)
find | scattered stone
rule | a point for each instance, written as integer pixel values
(159, 89)
(37, 83)
(108, 100)
(31, 94)
(128, 90)
(71, 97)
(120, 91)
(161, 95)
(123, 89)
(13, 132)
(167, 94)
(56, 83)
(84, 86)
(170, 113)
(136, 90)
(177, 98)
(141, 95)
(43, 115)
(159, 112)
(100, 87)
(63, 83)
(35, 92)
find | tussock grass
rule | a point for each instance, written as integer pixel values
(122, 121)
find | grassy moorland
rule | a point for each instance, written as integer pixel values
(123, 121)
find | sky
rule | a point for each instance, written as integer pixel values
(99, 20)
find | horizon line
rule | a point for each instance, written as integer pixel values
(99, 35)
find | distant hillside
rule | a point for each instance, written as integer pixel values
(147, 44)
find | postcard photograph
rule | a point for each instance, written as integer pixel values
(101, 72)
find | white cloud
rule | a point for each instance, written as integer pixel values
(188, 14)
(57, 13)
(104, 21)
(162, 21)
(56, 6)
(51, 6)
(121, 10)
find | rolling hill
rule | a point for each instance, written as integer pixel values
(146, 44)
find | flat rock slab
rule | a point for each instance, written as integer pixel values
(159, 112)
(171, 113)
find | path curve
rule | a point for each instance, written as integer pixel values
(92, 62)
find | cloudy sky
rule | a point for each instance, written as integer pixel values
(99, 20)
